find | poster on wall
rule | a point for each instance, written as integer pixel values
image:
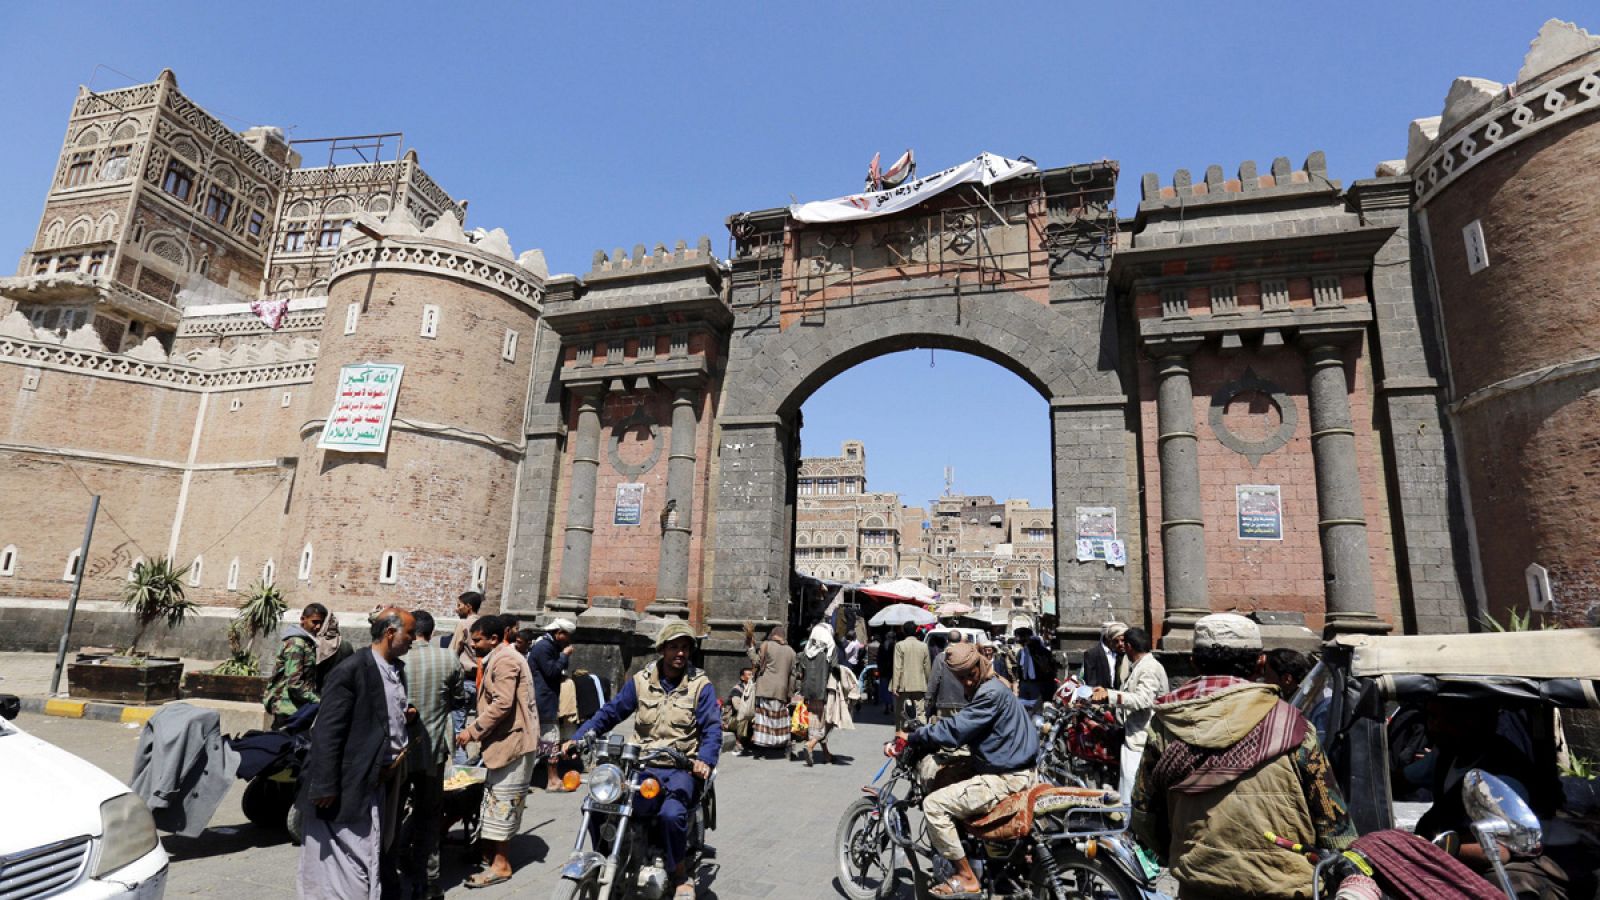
(363, 408)
(1260, 512)
(1096, 527)
(630, 500)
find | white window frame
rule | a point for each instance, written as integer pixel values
(508, 346)
(235, 405)
(71, 571)
(133, 567)
(196, 571)
(233, 574)
(269, 572)
(430, 320)
(1477, 248)
(305, 563)
(8, 561)
(480, 575)
(352, 315)
(389, 567)
(288, 398)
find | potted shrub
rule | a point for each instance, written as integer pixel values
(154, 593)
(240, 677)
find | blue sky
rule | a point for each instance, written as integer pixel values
(597, 125)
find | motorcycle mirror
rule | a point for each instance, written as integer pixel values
(1497, 810)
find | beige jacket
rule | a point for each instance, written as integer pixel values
(1136, 702)
(911, 665)
(507, 726)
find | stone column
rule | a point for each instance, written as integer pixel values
(672, 583)
(1183, 542)
(1341, 517)
(573, 592)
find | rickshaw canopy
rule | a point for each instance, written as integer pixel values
(1558, 653)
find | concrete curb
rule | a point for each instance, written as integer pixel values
(83, 709)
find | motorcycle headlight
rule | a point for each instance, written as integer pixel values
(605, 784)
(127, 832)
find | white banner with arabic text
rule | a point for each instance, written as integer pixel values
(986, 169)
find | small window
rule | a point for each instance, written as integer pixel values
(1477, 249)
(233, 574)
(179, 180)
(508, 346)
(115, 168)
(236, 405)
(480, 574)
(389, 568)
(96, 263)
(288, 397)
(218, 204)
(195, 571)
(294, 240)
(257, 222)
(328, 237)
(8, 561)
(71, 571)
(269, 572)
(352, 314)
(80, 167)
(430, 321)
(305, 563)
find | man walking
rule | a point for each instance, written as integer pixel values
(910, 680)
(350, 785)
(1135, 703)
(467, 606)
(1227, 761)
(549, 659)
(294, 681)
(507, 731)
(433, 682)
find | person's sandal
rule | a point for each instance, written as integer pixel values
(484, 879)
(684, 891)
(951, 889)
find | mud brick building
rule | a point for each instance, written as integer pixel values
(1363, 407)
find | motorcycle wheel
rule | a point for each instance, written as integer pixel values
(587, 888)
(1081, 878)
(865, 853)
(266, 803)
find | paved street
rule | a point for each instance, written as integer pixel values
(774, 839)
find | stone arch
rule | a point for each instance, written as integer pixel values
(88, 137)
(53, 233)
(79, 231)
(167, 246)
(225, 175)
(840, 540)
(339, 206)
(298, 210)
(106, 228)
(802, 539)
(874, 522)
(126, 130)
(186, 148)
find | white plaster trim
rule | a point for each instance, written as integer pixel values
(122, 367)
(1521, 116)
(449, 259)
(1523, 380)
(97, 456)
(188, 474)
(239, 309)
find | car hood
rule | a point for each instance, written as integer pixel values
(57, 794)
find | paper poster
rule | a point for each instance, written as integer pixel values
(363, 407)
(1116, 554)
(1096, 525)
(630, 500)
(1260, 512)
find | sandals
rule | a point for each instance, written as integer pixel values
(684, 891)
(951, 889)
(485, 879)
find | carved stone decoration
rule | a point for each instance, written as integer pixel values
(1253, 450)
(639, 417)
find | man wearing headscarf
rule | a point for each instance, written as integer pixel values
(774, 684)
(1004, 744)
(1100, 662)
(811, 671)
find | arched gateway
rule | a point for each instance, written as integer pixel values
(1206, 365)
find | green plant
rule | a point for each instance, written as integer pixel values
(259, 615)
(1581, 767)
(156, 592)
(1514, 622)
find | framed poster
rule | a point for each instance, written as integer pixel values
(1096, 526)
(630, 500)
(1260, 512)
(363, 408)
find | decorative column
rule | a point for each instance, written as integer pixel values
(672, 584)
(1341, 518)
(1183, 547)
(573, 591)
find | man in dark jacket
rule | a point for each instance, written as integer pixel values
(549, 659)
(1004, 744)
(1036, 669)
(1102, 663)
(353, 770)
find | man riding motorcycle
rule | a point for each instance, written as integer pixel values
(673, 705)
(1004, 743)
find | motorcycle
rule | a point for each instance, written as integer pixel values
(1043, 843)
(1079, 743)
(626, 860)
(1500, 818)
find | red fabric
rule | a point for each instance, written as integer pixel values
(1203, 686)
(1413, 869)
(1193, 770)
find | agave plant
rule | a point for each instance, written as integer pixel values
(259, 614)
(155, 592)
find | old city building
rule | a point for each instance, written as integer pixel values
(1366, 408)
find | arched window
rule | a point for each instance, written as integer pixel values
(305, 563)
(54, 233)
(480, 574)
(389, 568)
(194, 571)
(107, 228)
(269, 572)
(71, 571)
(233, 574)
(8, 561)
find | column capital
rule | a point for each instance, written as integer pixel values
(682, 381)
(1328, 338)
(1176, 349)
(587, 390)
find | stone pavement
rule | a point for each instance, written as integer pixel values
(774, 840)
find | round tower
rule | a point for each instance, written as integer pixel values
(404, 491)
(1506, 199)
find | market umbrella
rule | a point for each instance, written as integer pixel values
(900, 613)
(952, 608)
(906, 589)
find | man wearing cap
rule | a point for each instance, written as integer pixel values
(1227, 761)
(1004, 744)
(673, 705)
(1100, 661)
(549, 658)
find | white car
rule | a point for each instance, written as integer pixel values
(68, 830)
